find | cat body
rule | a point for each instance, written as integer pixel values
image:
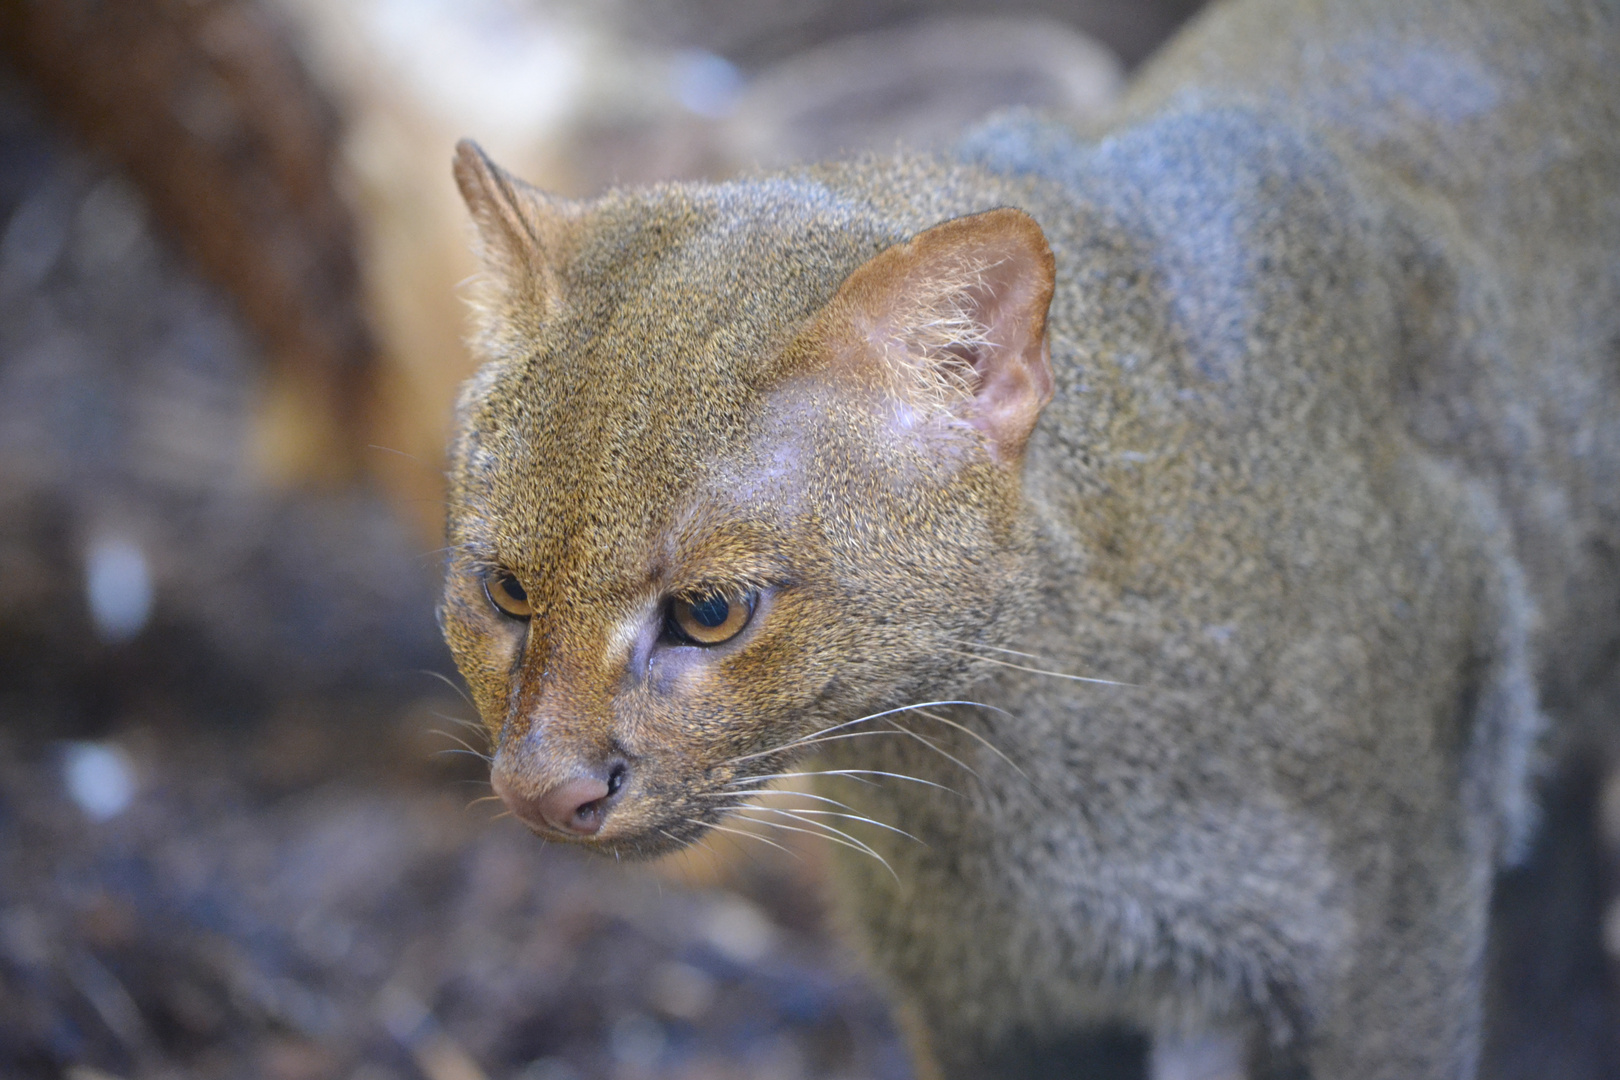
(1202, 515)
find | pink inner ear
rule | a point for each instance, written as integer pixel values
(970, 291)
(1009, 400)
(1010, 300)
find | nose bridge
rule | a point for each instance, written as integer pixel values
(564, 704)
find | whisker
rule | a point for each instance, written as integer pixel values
(999, 649)
(796, 811)
(816, 735)
(858, 775)
(836, 738)
(742, 832)
(807, 773)
(448, 682)
(771, 791)
(485, 798)
(815, 821)
(1042, 671)
(829, 831)
(840, 838)
(466, 747)
(401, 453)
(459, 722)
(964, 729)
(936, 748)
(458, 750)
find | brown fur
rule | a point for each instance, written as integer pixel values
(1321, 339)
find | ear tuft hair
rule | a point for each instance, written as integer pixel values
(932, 361)
(955, 319)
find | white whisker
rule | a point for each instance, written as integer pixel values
(459, 722)
(1042, 671)
(829, 832)
(964, 729)
(796, 811)
(840, 838)
(818, 740)
(764, 778)
(938, 750)
(465, 747)
(816, 735)
(741, 832)
(858, 775)
(732, 794)
(459, 750)
(462, 694)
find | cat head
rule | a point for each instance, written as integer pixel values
(742, 462)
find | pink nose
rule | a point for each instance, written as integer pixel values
(575, 806)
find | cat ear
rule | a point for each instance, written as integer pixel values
(523, 233)
(957, 317)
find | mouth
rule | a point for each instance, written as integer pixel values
(652, 824)
(612, 816)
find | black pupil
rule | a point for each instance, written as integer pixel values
(509, 585)
(711, 611)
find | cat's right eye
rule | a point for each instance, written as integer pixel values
(712, 619)
(507, 595)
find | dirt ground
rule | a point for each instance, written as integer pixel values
(357, 924)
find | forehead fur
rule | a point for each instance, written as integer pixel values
(677, 308)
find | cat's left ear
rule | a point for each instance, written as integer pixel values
(524, 234)
(956, 317)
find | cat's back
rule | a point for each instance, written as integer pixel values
(1506, 110)
(1491, 128)
(1444, 175)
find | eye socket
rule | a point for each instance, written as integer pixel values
(711, 619)
(505, 593)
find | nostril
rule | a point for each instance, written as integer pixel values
(579, 805)
(568, 805)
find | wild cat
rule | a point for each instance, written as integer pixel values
(1183, 529)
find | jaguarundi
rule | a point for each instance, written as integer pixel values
(1182, 528)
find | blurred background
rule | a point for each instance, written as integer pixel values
(239, 827)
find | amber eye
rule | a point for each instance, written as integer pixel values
(712, 619)
(505, 593)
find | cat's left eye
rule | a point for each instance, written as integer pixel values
(507, 595)
(711, 619)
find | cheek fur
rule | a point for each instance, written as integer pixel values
(484, 645)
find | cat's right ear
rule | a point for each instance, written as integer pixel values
(955, 318)
(524, 234)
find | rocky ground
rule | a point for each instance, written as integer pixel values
(366, 922)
